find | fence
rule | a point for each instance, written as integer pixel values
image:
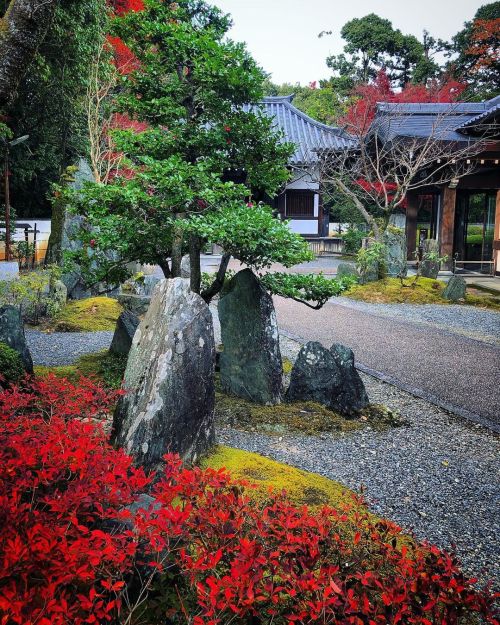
(326, 245)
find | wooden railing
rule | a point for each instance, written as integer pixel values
(326, 245)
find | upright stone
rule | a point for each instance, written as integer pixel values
(250, 363)
(347, 270)
(396, 252)
(169, 406)
(429, 266)
(124, 333)
(455, 289)
(12, 334)
(327, 376)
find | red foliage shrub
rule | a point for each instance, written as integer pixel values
(234, 560)
(281, 564)
(59, 479)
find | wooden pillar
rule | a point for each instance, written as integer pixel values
(411, 224)
(496, 236)
(448, 225)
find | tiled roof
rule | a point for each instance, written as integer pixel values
(308, 134)
(443, 120)
(492, 111)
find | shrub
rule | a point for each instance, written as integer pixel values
(220, 556)
(352, 240)
(59, 480)
(11, 365)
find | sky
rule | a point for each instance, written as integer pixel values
(282, 35)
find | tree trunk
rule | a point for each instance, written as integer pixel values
(164, 266)
(218, 283)
(22, 29)
(177, 245)
(194, 263)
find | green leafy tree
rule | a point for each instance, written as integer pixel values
(50, 105)
(195, 172)
(373, 44)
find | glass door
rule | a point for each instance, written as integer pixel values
(474, 225)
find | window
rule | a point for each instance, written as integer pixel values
(300, 204)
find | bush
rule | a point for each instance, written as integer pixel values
(32, 293)
(11, 366)
(220, 556)
(59, 481)
(352, 240)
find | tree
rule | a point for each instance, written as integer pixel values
(51, 101)
(379, 173)
(200, 163)
(372, 44)
(22, 29)
(321, 102)
(477, 50)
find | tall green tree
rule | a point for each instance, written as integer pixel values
(372, 44)
(204, 158)
(50, 105)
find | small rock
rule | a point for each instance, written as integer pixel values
(12, 334)
(124, 333)
(455, 289)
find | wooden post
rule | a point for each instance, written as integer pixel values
(448, 225)
(411, 223)
(496, 237)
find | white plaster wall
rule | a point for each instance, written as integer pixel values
(304, 226)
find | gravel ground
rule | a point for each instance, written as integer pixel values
(438, 476)
(482, 325)
(64, 348)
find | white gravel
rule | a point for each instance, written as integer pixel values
(64, 348)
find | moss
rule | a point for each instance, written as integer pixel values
(108, 368)
(424, 291)
(11, 365)
(302, 487)
(305, 417)
(87, 315)
(287, 366)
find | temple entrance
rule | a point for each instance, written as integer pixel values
(474, 227)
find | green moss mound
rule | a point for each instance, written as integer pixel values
(11, 366)
(106, 367)
(423, 291)
(302, 487)
(304, 417)
(88, 315)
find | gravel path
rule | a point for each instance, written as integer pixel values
(64, 348)
(448, 368)
(482, 325)
(438, 475)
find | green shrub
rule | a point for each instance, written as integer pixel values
(352, 240)
(11, 365)
(32, 293)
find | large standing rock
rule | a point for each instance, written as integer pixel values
(327, 376)
(347, 270)
(12, 334)
(250, 363)
(124, 333)
(455, 289)
(429, 266)
(169, 405)
(396, 252)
